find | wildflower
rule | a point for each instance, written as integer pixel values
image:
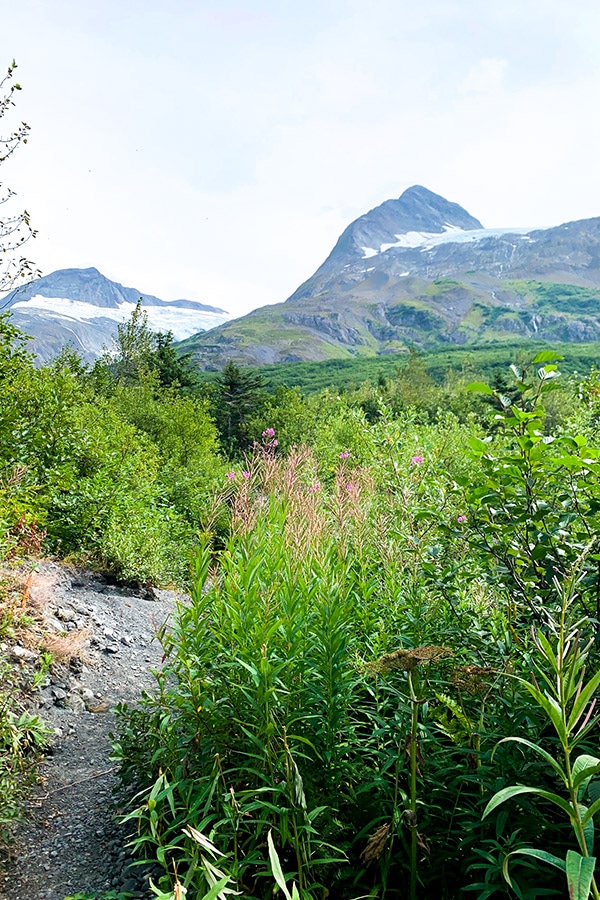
(461, 519)
(230, 476)
(274, 443)
(350, 486)
(316, 486)
(344, 454)
(268, 433)
(246, 475)
(416, 461)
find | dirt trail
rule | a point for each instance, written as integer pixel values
(71, 841)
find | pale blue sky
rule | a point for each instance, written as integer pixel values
(215, 150)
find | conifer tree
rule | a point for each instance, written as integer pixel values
(237, 395)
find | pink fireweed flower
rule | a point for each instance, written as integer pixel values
(416, 461)
(344, 454)
(461, 519)
(268, 433)
(274, 443)
(350, 487)
(230, 476)
(245, 474)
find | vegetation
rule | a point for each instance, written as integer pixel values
(347, 704)
(481, 360)
(344, 687)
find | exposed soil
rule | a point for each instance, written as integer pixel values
(71, 840)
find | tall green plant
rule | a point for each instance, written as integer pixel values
(566, 696)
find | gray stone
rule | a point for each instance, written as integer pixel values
(65, 613)
(22, 653)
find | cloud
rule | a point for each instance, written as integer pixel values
(217, 150)
(485, 77)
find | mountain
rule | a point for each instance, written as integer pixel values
(82, 308)
(422, 271)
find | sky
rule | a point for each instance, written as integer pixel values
(215, 150)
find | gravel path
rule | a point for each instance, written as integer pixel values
(71, 841)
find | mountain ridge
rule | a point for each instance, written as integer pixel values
(425, 279)
(82, 307)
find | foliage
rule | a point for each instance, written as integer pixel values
(536, 506)
(139, 351)
(566, 698)
(301, 716)
(339, 693)
(236, 396)
(116, 473)
(273, 715)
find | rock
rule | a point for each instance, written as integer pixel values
(85, 693)
(65, 613)
(22, 653)
(75, 703)
(95, 706)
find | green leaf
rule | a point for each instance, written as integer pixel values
(516, 789)
(540, 751)
(216, 889)
(580, 871)
(477, 445)
(479, 387)
(547, 650)
(542, 855)
(550, 707)
(545, 356)
(582, 700)
(276, 866)
(588, 830)
(591, 812)
(583, 768)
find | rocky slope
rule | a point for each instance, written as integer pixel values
(82, 307)
(71, 841)
(422, 271)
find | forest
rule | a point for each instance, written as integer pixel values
(384, 683)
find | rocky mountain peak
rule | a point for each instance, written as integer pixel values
(403, 222)
(426, 211)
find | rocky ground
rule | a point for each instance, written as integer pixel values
(71, 842)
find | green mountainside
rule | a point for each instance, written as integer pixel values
(445, 281)
(428, 315)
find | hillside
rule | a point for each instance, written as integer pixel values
(421, 271)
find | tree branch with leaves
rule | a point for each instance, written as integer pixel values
(15, 228)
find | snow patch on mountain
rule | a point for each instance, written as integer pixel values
(183, 322)
(424, 240)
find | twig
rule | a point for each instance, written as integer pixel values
(74, 784)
